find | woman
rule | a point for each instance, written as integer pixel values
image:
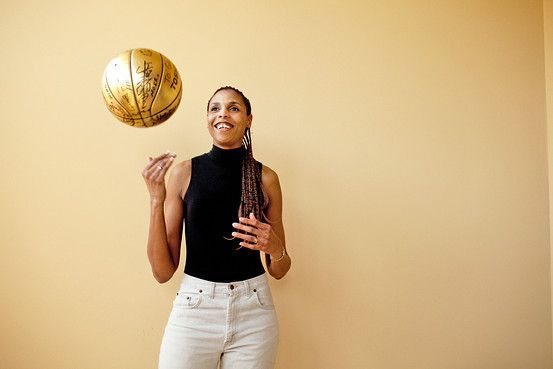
(231, 206)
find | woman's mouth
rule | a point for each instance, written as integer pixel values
(223, 126)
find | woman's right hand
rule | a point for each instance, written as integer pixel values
(154, 175)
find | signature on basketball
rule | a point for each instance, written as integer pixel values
(147, 85)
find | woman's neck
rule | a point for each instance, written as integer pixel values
(227, 156)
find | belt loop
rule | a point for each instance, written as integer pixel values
(212, 290)
(247, 287)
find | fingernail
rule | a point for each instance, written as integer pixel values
(234, 224)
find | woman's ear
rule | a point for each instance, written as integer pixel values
(250, 118)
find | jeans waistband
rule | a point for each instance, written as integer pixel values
(205, 287)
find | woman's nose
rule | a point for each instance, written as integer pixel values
(223, 113)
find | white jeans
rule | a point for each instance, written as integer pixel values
(232, 324)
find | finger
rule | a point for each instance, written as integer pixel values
(153, 161)
(256, 223)
(152, 172)
(167, 153)
(154, 166)
(160, 156)
(249, 245)
(252, 217)
(249, 221)
(239, 235)
(245, 228)
(164, 168)
(245, 237)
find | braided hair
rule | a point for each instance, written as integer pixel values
(253, 199)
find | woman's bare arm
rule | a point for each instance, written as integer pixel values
(277, 269)
(166, 216)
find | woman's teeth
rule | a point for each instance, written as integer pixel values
(223, 126)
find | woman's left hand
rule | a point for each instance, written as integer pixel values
(261, 237)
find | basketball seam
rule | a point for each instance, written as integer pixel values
(133, 87)
(169, 105)
(159, 85)
(115, 98)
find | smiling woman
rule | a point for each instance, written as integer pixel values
(228, 118)
(231, 206)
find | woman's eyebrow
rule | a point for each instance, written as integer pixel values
(229, 103)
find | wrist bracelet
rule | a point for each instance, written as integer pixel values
(281, 256)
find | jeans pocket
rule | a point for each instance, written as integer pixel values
(187, 300)
(263, 298)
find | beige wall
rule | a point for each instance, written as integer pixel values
(410, 141)
(548, 48)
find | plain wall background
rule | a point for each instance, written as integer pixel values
(548, 42)
(411, 145)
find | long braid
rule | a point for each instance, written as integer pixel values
(252, 199)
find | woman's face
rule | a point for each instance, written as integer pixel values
(227, 119)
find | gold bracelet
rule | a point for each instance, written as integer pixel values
(281, 257)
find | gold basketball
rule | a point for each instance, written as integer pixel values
(141, 87)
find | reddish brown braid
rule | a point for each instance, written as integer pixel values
(253, 198)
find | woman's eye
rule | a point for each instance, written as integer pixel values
(214, 108)
(234, 108)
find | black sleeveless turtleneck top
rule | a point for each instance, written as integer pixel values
(210, 207)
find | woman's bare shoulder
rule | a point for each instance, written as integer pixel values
(269, 177)
(184, 165)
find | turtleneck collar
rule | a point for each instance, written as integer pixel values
(227, 157)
